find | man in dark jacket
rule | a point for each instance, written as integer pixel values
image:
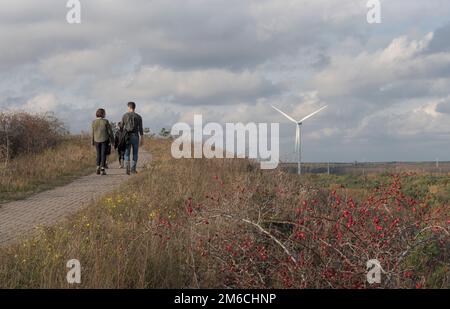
(132, 125)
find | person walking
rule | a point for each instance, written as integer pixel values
(102, 135)
(132, 124)
(120, 143)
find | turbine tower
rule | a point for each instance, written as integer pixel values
(298, 133)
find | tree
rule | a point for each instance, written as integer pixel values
(164, 133)
(148, 132)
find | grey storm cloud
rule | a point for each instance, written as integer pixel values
(231, 59)
(179, 34)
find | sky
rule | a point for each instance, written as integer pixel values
(386, 85)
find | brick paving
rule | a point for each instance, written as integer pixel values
(20, 218)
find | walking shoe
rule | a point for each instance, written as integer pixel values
(103, 172)
(98, 170)
(128, 168)
(133, 168)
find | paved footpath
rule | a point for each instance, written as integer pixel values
(20, 218)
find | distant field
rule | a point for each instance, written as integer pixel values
(369, 168)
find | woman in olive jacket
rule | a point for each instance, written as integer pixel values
(102, 135)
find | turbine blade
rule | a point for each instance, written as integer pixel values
(285, 115)
(312, 114)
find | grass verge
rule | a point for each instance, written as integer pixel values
(59, 165)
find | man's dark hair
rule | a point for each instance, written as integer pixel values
(100, 113)
(132, 105)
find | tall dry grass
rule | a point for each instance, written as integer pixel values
(30, 173)
(225, 223)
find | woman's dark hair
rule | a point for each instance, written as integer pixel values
(100, 113)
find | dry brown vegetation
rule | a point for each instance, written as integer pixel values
(36, 153)
(225, 223)
(23, 133)
(58, 165)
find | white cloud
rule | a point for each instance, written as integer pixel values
(41, 103)
(371, 72)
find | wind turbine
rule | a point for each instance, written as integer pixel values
(298, 133)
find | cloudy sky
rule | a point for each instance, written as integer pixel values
(387, 85)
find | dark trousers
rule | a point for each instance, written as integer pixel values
(121, 154)
(101, 153)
